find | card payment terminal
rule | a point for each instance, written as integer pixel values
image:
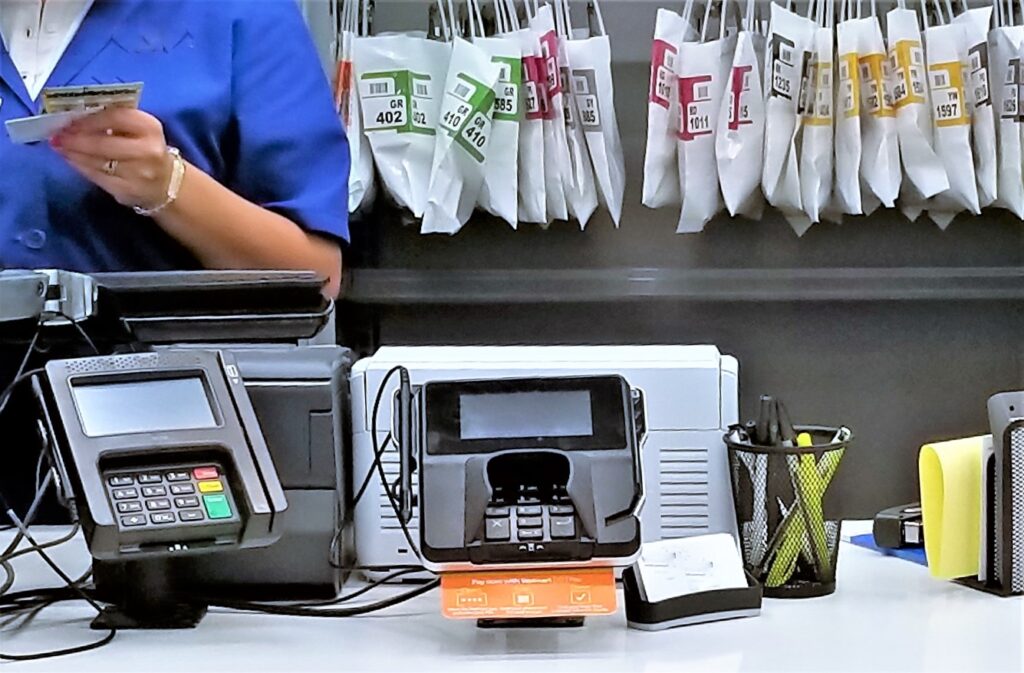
(160, 453)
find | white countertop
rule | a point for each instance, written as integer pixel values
(886, 615)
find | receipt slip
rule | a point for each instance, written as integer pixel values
(63, 105)
(528, 594)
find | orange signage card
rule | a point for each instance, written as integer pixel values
(528, 594)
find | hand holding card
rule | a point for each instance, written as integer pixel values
(64, 105)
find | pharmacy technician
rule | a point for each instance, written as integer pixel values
(235, 159)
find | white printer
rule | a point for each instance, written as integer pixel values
(691, 395)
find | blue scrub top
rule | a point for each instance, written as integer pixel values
(241, 92)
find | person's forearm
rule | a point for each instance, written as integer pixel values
(225, 231)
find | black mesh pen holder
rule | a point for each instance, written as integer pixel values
(786, 514)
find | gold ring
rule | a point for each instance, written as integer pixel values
(110, 168)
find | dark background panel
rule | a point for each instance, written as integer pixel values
(898, 329)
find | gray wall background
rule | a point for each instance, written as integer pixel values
(897, 329)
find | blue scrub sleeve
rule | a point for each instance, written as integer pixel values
(292, 155)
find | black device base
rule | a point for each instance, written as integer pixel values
(148, 593)
(180, 616)
(531, 623)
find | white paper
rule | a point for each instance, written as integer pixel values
(847, 115)
(739, 141)
(702, 69)
(816, 152)
(1004, 50)
(661, 177)
(594, 90)
(500, 192)
(880, 159)
(673, 568)
(42, 127)
(401, 81)
(785, 84)
(926, 176)
(975, 23)
(464, 130)
(951, 120)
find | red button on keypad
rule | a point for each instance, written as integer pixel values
(205, 473)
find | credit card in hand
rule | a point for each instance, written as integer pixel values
(91, 97)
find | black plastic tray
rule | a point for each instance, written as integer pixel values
(698, 608)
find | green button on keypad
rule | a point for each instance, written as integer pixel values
(217, 506)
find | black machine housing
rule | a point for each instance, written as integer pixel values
(555, 461)
(90, 460)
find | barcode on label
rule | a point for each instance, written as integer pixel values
(505, 74)
(421, 89)
(916, 56)
(462, 91)
(844, 70)
(670, 60)
(865, 71)
(702, 92)
(975, 61)
(581, 85)
(826, 77)
(380, 88)
(940, 80)
(786, 54)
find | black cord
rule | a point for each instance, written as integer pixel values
(392, 499)
(70, 583)
(20, 373)
(378, 455)
(5, 396)
(81, 332)
(296, 611)
(46, 545)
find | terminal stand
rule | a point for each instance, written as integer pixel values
(144, 594)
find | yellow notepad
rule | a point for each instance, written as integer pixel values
(950, 475)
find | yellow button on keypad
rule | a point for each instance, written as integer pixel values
(210, 486)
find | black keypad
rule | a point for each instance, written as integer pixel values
(498, 530)
(563, 527)
(169, 495)
(530, 513)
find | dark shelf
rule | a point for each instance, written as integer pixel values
(569, 286)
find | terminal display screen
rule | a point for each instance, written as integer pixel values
(563, 413)
(153, 405)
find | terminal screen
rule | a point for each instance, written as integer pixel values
(563, 413)
(155, 405)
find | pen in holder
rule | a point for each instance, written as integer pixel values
(789, 534)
